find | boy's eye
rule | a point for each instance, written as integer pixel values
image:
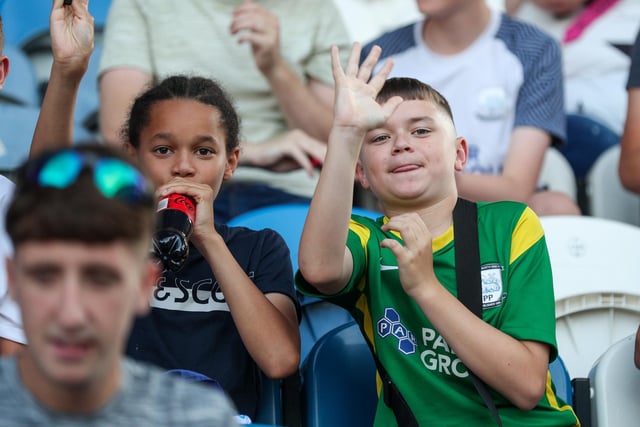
(380, 138)
(99, 277)
(44, 278)
(422, 131)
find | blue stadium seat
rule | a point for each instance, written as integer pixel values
(561, 380)
(318, 317)
(287, 220)
(587, 139)
(99, 9)
(21, 85)
(26, 23)
(339, 380)
(16, 131)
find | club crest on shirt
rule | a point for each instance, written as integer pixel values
(491, 276)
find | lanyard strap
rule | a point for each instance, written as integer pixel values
(593, 11)
(468, 279)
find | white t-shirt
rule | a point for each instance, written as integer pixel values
(594, 65)
(10, 322)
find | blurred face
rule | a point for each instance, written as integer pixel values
(413, 157)
(560, 7)
(77, 303)
(184, 138)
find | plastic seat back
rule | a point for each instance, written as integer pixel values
(607, 197)
(615, 385)
(595, 274)
(318, 317)
(339, 380)
(26, 23)
(587, 139)
(21, 85)
(561, 380)
(557, 174)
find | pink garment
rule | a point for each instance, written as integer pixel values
(590, 13)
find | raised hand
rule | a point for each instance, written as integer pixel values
(72, 34)
(356, 90)
(258, 26)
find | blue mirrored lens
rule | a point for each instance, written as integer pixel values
(118, 179)
(61, 170)
(113, 177)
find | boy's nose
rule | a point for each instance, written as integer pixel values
(71, 309)
(401, 143)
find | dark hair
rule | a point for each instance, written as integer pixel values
(79, 212)
(203, 90)
(1, 36)
(413, 89)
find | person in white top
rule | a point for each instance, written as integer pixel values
(596, 38)
(72, 37)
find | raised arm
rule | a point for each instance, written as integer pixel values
(323, 258)
(71, 28)
(629, 167)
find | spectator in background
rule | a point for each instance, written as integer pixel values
(272, 57)
(503, 79)
(72, 36)
(596, 37)
(80, 222)
(11, 335)
(629, 166)
(398, 139)
(230, 313)
(367, 19)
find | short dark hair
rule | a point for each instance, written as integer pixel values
(200, 89)
(413, 89)
(79, 212)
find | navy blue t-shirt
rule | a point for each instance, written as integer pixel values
(634, 72)
(190, 325)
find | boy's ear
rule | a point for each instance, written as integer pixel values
(462, 154)
(4, 69)
(361, 176)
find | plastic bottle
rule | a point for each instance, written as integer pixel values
(176, 213)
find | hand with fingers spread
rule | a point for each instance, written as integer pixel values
(356, 90)
(72, 35)
(258, 26)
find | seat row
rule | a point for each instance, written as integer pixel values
(595, 275)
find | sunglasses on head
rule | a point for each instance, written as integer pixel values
(114, 178)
